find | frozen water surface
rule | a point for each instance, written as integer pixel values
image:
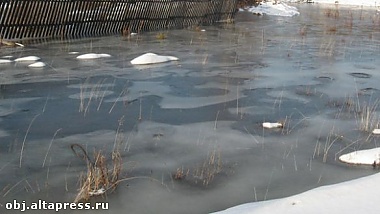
(315, 73)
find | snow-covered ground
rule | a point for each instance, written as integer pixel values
(280, 8)
(270, 8)
(356, 196)
(350, 2)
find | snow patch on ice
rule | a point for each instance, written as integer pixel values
(37, 65)
(273, 9)
(4, 133)
(93, 56)
(366, 157)
(152, 58)
(27, 58)
(5, 61)
(350, 2)
(269, 125)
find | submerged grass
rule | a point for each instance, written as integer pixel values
(89, 93)
(210, 167)
(368, 118)
(365, 112)
(203, 173)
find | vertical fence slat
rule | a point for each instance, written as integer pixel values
(19, 20)
(57, 17)
(6, 29)
(3, 18)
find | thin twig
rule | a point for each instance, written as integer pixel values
(26, 134)
(85, 155)
(10, 189)
(51, 142)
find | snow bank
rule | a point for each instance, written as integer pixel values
(281, 9)
(357, 196)
(270, 8)
(350, 2)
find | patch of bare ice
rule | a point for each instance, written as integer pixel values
(141, 88)
(10, 106)
(251, 110)
(285, 94)
(91, 94)
(3, 133)
(205, 133)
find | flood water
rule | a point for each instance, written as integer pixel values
(316, 72)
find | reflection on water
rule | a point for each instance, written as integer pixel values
(314, 72)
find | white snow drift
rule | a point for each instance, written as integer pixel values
(366, 157)
(357, 196)
(274, 9)
(37, 65)
(272, 125)
(4, 61)
(27, 58)
(152, 58)
(93, 56)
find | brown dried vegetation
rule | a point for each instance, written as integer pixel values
(101, 176)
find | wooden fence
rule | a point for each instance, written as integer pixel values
(25, 19)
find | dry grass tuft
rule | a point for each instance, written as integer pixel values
(211, 167)
(306, 91)
(161, 36)
(180, 174)
(331, 29)
(203, 173)
(99, 178)
(368, 118)
(332, 13)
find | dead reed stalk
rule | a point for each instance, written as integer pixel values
(368, 118)
(210, 167)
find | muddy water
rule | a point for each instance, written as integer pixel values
(315, 72)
